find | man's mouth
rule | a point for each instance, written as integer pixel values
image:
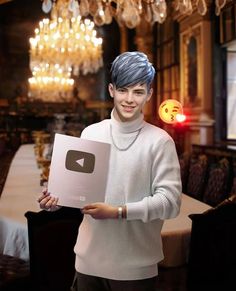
(128, 108)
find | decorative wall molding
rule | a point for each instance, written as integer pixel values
(201, 101)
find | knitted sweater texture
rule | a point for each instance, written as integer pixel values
(145, 178)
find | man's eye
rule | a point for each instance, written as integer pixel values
(121, 90)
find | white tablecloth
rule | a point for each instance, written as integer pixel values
(176, 232)
(22, 187)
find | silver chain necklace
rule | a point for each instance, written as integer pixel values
(126, 148)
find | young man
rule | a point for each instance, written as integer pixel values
(119, 241)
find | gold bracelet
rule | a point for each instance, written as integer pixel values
(120, 212)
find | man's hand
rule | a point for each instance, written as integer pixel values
(100, 211)
(48, 202)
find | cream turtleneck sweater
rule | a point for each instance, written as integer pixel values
(145, 178)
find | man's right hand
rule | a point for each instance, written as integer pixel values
(48, 202)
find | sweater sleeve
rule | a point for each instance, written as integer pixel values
(165, 199)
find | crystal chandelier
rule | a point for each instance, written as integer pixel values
(63, 46)
(130, 12)
(51, 83)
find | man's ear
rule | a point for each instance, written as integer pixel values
(149, 94)
(111, 90)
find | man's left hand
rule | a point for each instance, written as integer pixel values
(100, 210)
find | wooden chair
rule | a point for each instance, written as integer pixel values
(233, 189)
(217, 186)
(52, 236)
(197, 177)
(184, 160)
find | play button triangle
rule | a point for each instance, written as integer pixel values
(80, 162)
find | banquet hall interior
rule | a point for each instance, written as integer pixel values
(55, 58)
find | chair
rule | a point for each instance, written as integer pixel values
(14, 273)
(216, 189)
(212, 254)
(52, 236)
(233, 189)
(197, 177)
(184, 169)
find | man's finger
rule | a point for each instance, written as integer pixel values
(90, 206)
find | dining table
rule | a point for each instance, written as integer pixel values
(176, 232)
(20, 193)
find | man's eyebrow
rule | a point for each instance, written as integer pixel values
(141, 89)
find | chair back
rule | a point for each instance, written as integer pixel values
(52, 236)
(197, 177)
(184, 161)
(217, 189)
(212, 254)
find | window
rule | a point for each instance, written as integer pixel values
(167, 60)
(231, 91)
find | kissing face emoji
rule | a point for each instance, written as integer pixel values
(169, 109)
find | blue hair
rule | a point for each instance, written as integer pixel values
(131, 68)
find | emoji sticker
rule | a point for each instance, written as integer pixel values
(169, 109)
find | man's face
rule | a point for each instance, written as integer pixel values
(129, 101)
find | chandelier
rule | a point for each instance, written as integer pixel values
(63, 46)
(130, 12)
(51, 83)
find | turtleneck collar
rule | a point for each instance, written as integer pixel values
(129, 126)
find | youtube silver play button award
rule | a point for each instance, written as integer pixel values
(78, 170)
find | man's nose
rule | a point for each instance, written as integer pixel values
(129, 97)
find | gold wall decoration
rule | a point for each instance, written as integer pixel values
(196, 68)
